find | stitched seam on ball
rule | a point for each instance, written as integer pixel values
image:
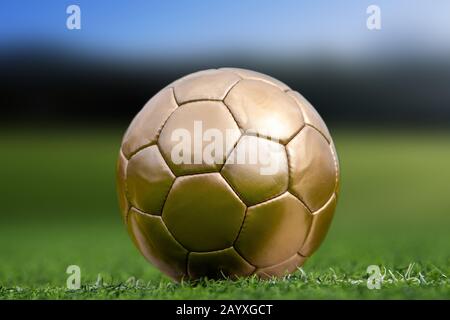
(125, 182)
(279, 263)
(240, 228)
(163, 222)
(268, 82)
(162, 154)
(291, 169)
(210, 99)
(318, 130)
(222, 250)
(229, 154)
(231, 151)
(198, 100)
(242, 256)
(165, 198)
(228, 108)
(258, 79)
(232, 71)
(213, 170)
(311, 226)
(172, 183)
(329, 200)
(232, 188)
(144, 212)
(174, 96)
(260, 135)
(167, 195)
(288, 158)
(128, 215)
(271, 198)
(159, 129)
(173, 236)
(262, 203)
(266, 137)
(334, 162)
(249, 135)
(297, 102)
(295, 134)
(237, 237)
(301, 201)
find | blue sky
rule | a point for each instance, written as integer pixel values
(194, 27)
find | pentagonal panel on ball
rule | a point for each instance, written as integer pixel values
(145, 127)
(310, 114)
(121, 173)
(204, 85)
(312, 168)
(156, 244)
(249, 74)
(257, 169)
(148, 180)
(282, 268)
(218, 264)
(203, 213)
(262, 108)
(273, 231)
(319, 227)
(198, 137)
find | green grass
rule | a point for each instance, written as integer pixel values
(59, 209)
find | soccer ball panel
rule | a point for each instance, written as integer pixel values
(257, 169)
(206, 85)
(156, 244)
(310, 114)
(183, 144)
(264, 109)
(312, 168)
(249, 74)
(145, 127)
(281, 269)
(218, 264)
(273, 231)
(148, 180)
(319, 228)
(203, 213)
(121, 168)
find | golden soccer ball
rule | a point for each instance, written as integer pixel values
(227, 173)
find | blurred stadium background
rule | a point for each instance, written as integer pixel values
(67, 96)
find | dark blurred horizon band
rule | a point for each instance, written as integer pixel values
(103, 73)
